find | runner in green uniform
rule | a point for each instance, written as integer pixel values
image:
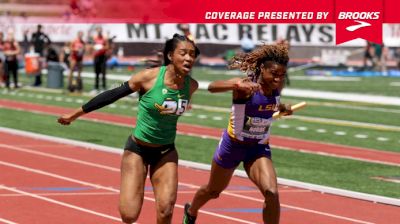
(164, 95)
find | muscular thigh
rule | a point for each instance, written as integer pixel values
(164, 177)
(133, 177)
(262, 172)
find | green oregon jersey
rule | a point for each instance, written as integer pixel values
(152, 126)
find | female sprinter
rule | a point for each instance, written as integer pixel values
(164, 95)
(255, 99)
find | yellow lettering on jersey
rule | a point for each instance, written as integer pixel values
(267, 107)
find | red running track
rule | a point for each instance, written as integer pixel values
(45, 181)
(357, 153)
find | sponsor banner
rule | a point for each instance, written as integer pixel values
(352, 19)
(221, 33)
(360, 19)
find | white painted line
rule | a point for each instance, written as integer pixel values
(105, 188)
(292, 207)
(301, 128)
(341, 133)
(26, 150)
(361, 136)
(321, 130)
(7, 221)
(180, 183)
(60, 203)
(372, 126)
(64, 194)
(382, 139)
(313, 187)
(353, 97)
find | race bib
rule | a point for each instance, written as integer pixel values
(255, 127)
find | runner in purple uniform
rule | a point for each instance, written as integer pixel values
(255, 99)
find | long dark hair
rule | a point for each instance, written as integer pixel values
(171, 44)
(250, 62)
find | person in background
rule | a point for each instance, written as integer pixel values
(100, 47)
(40, 41)
(246, 43)
(11, 52)
(255, 98)
(2, 58)
(77, 49)
(186, 31)
(369, 53)
(164, 95)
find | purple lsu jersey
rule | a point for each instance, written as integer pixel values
(251, 119)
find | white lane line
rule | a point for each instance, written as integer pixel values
(321, 130)
(180, 183)
(60, 203)
(345, 123)
(301, 128)
(382, 139)
(7, 221)
(291, 206)
(97, 186)
(341, 133)
(63, 194)
(59, 157)
(284, 126)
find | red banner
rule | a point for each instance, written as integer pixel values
(353, 18)
(360, 19)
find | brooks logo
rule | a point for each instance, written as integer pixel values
(358, 26)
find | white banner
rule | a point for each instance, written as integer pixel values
(298, 34)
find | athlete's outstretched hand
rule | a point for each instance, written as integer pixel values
(67, 119)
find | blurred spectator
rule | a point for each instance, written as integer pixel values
(65, 54)
(397, 56)
(380, 56)
(368, 55)
(11, 51)
(229, 55)
(39, 41)
(2, 58)
(111, 45)
(77, 49)
(100, 47)
(246, 43)
(186, 31)
(159, 61)
(25, 42)
(52, 55)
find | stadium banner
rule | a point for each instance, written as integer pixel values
(210, 33)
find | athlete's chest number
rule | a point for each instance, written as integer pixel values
(176, 107)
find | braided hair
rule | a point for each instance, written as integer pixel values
(250, 63)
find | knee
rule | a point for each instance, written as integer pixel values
(128, 217)
(165, 210)
(271, 193)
